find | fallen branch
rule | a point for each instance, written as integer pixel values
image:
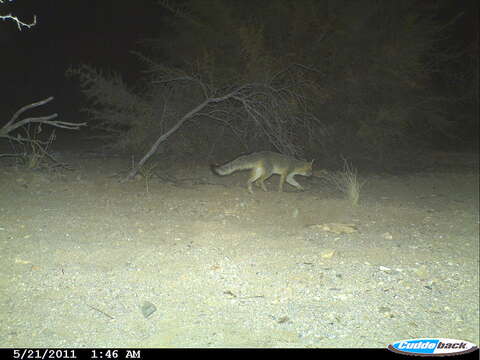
(192, 113)
(13, 124)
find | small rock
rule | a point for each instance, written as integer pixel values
(327, 253)
(147, 309)
(387, 236)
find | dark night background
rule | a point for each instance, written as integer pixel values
(102, 34)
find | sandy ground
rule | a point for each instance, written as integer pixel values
(194, 260)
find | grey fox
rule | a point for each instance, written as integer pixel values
(264, 164)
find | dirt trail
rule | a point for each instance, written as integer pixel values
(82, 255)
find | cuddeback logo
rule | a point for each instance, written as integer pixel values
(432, 347)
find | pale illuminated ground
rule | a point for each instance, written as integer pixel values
(81, 252)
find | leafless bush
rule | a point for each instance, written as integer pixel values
(35, 150)
(120, 117)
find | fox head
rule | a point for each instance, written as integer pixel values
(306, 169)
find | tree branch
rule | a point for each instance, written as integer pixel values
(13, 124)
(17, 20)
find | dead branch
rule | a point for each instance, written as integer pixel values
(16, 20)
(192, 113)
(13, 124)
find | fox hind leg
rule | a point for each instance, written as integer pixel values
(261, 181)
(280, 184)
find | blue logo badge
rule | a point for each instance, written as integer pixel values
(432, 347)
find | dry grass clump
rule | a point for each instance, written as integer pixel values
(347, 182)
